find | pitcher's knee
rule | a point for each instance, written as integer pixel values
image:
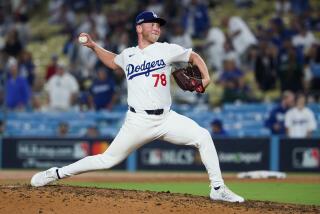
(204, 137)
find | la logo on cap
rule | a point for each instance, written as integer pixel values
(154, 15)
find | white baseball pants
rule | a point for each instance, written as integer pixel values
(140, 128)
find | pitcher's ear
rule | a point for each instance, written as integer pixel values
(138, 28)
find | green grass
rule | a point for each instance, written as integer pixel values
(308, 194)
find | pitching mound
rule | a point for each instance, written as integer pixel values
(67, 199)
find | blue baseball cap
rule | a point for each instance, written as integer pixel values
(216, 122)
(149, 16)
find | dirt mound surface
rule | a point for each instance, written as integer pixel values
(67, 199)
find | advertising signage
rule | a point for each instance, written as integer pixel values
(234, 155)
(45, 153)
(300, 155)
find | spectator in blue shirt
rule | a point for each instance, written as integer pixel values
(27, 67)
(232, 81)
(17, 90)
(102, 91)
(275, 122)
(290, 67)
(217, 129)
(196, 19)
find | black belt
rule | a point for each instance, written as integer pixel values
(154, 112)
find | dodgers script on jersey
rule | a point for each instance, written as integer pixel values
(148, 73)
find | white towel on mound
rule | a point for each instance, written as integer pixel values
(261, 174)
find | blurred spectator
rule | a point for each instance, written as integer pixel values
(123, 42)
(304, 39)
(63, 129)
(37, 104)
(52, 67)
(229, 53)
(300, 121)
(275, 121)
(62, 89)
(17, 90)
(290, 70)
(155, 6)
(3, 77)
(100, 23)
(313, 71)
(20, 9)
(64, 15)
(39, 100)
(299, 6)
(232, 80)
(277, 31)
(315, 20)
(239, 33)
(82, 62)
(243, 3)
(265, 67)
(249, 61)
(103, 95)
(164, 36)
(173, 9)
(196, 19)
(180, 37)
(27, 67)
(2, 129)
(217, 129)
(96, 22)
(92, 132)
(282, 6)
(54, 7)
(214, 48)
(13, 46)
(87, 60)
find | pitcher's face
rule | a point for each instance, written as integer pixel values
(150, 31)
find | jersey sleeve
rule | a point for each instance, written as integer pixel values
(287, 119)
(119, 60)
(313, 122)
(176, 53)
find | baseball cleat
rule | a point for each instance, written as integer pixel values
(225, 194)
(44, 177)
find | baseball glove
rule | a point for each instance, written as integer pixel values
(189, 78)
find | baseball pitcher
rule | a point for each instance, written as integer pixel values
(147, 68)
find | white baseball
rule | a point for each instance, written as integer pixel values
(83, 39)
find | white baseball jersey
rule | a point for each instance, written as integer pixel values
(300, 122)
(246, 38)
(60, 89)
(148, 73)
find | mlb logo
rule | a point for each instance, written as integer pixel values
(80, 150)
(152, 156)
(306, 158)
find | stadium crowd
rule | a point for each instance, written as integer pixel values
(282, 54)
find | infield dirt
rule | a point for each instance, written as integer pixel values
(16, 196)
